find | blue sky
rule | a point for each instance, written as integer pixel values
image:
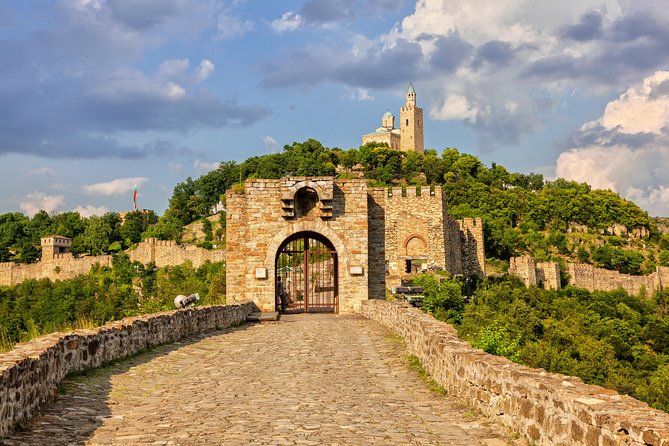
(100, 95)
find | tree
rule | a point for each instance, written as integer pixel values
(98, 235)
(132, 228)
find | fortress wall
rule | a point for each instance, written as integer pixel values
(548, 408)
(524, 268)
(548, 273)
(376, 243)
(258, 222)
(65, 266)
(407, 214)
(30, 373)
(591, 278)
(472, 246)
(168, 252)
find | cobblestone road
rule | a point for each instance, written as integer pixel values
(306, 380)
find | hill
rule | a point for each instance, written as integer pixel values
(522, 213)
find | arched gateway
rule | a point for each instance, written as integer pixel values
(306, 271)
(336, 243)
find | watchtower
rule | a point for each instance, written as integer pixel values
(54, 245)
(411, 124)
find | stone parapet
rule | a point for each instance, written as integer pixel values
(587, 276)
(30, 373)
(548, 408)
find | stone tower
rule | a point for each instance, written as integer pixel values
(411, 124)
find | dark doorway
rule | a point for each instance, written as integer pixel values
(306, 274)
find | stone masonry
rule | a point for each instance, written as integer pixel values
(376, 233)
(63, 265)
(583, 275)
(30, 373)
(550, 409)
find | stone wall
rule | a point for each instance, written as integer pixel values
(583, 275)
(544, 274)
(65, 266)
(587, 276)
(547, 408)
(413, 213)
(30, 373)
(260, 219)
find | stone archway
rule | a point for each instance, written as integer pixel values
(306, 270)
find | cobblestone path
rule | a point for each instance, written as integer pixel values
(306, 380)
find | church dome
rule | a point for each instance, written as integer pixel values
(388, 114)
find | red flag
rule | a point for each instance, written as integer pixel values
(134, 198)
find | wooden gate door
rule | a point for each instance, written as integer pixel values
(306, 273)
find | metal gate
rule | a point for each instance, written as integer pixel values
(306, 275)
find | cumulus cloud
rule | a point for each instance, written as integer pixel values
(230, 27)
(360, 94)
(89, 210)
(627, 149)
(175, 167)
(503, 65)
(114, 187)
(31, 204)
(329, 13)
(271, 144)
(204, 167)
(289, 21)
(74, 84)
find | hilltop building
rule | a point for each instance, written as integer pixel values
(409, 136)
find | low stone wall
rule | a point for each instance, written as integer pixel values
(587, 276)
(550, 409)
(30, 373)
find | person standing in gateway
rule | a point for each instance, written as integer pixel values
(281, 292)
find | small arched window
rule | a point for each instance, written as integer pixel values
(407, 123)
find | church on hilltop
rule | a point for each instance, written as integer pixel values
(409, 136)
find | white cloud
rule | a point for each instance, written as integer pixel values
(127, 84)
(175, 167)
(642, 108)
(627, 149)
(271, 144)
(33, 203)
(45, 172)
(89, 210)
(455, 106)
(115, 187)
(361, 94)
(205, 70)
(290, 21)
(231, 27)
(204, 167)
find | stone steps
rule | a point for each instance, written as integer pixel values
(265, 316)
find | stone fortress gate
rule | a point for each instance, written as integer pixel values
(335, 243)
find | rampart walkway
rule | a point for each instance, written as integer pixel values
(307, 380)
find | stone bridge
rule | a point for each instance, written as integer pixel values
(305, 380)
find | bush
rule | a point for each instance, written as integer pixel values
(442, 297)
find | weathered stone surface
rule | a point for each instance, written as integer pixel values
(31, 372)
(305, 380)
(550, 409)
(66, 266)
(373, 230)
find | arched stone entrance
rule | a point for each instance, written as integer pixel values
(306, 272)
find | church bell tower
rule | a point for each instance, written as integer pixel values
(411, 124)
